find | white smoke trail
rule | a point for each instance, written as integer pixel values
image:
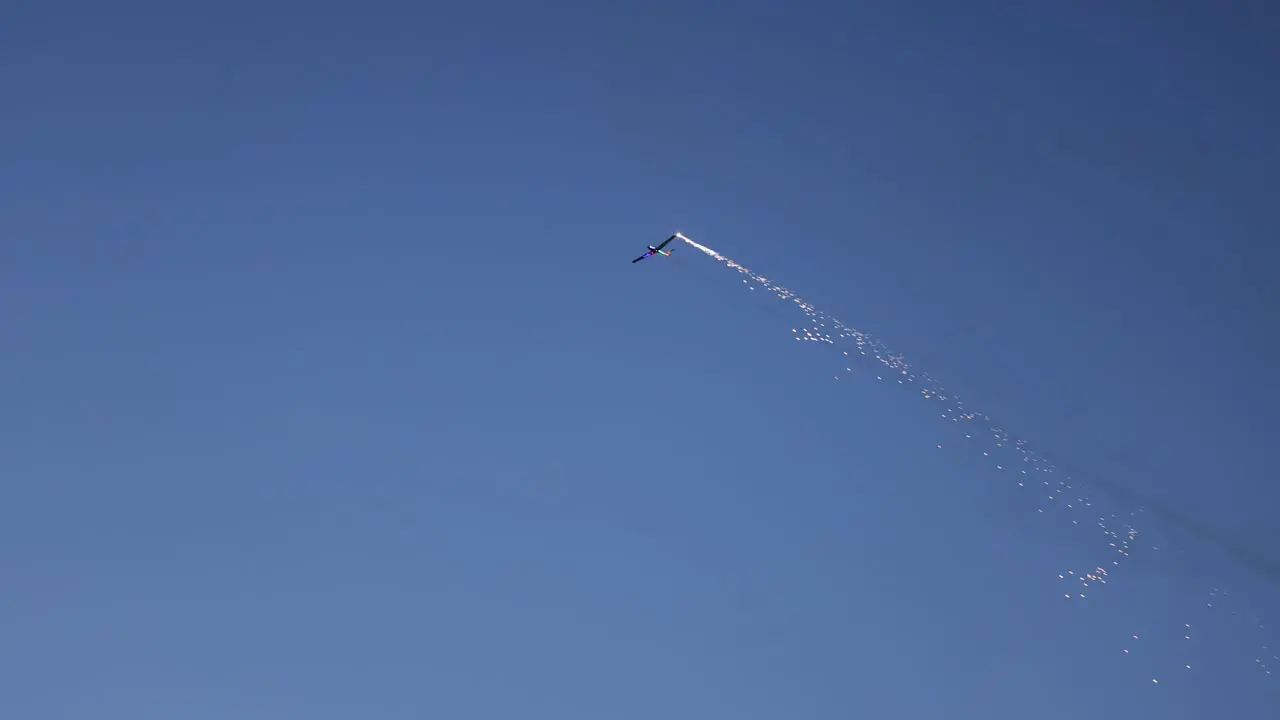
(1009, 455)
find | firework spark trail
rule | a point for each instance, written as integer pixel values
(1028, 467)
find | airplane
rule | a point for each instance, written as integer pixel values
(657, 250)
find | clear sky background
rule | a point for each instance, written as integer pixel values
(327, 389)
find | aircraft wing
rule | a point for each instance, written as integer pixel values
(664, 242)
(640, 258)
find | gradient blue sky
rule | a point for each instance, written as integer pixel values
(327, 390)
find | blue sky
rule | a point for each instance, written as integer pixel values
(328, 388)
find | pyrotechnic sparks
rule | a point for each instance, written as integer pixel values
(1115, 533)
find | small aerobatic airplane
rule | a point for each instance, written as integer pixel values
(657, 250)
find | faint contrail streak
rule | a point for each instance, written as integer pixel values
(1249, 557)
